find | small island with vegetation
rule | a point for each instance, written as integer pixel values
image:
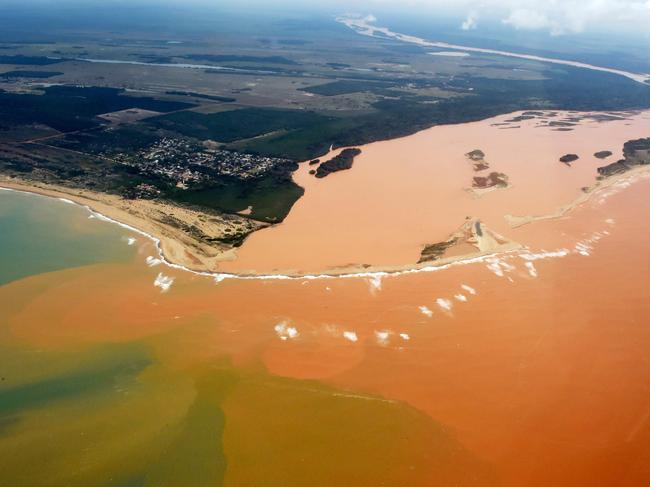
(569, 158)
(492, 180)
(338, 163)
(635, 153)
(477, 157)
(603, 154)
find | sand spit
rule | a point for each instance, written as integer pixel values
(600, 186)
(471, 238)
(164, 223)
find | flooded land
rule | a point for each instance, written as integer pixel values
(406, 193)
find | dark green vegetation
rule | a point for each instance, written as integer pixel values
(476, 155)
(271, 196)
(475, 99)
(70, 108)
(30, 74)
(338, 163)
(635, 153)
(435, 251)
(29, 60)
(224, 99)
(343, 87)
(569, 158)
(95, 160)
(492, 180)
(603, 154)
(234, 125)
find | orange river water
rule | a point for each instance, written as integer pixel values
(526, 368)
(405, 193)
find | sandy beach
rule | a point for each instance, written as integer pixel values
(152, 218)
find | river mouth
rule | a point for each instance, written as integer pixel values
(404, 194)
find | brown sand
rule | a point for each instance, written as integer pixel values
(153, 217)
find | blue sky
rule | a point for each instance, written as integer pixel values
(555, 17)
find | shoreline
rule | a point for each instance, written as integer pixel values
(159, 242)
(175, 247)
(163, 243)
(516, 221)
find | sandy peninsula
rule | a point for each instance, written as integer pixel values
(185, 237)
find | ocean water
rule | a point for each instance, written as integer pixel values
(39, 234)
(527, 369)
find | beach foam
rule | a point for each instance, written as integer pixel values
(469, 289)
(444, 304)
(382, 337)
(151, 261)
(532, 271)
(286, 332)
(350, 336)
(426, 311)
(163, 282)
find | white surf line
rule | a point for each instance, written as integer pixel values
(364, 26)
(221, 276)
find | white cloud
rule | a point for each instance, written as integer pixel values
(527, 19)
(470, 22)
(554, 16)
(573, 16)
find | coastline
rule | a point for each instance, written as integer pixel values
(516, 221)
(172, 251)
(164, 243)
(177, 251)
(175, 246)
